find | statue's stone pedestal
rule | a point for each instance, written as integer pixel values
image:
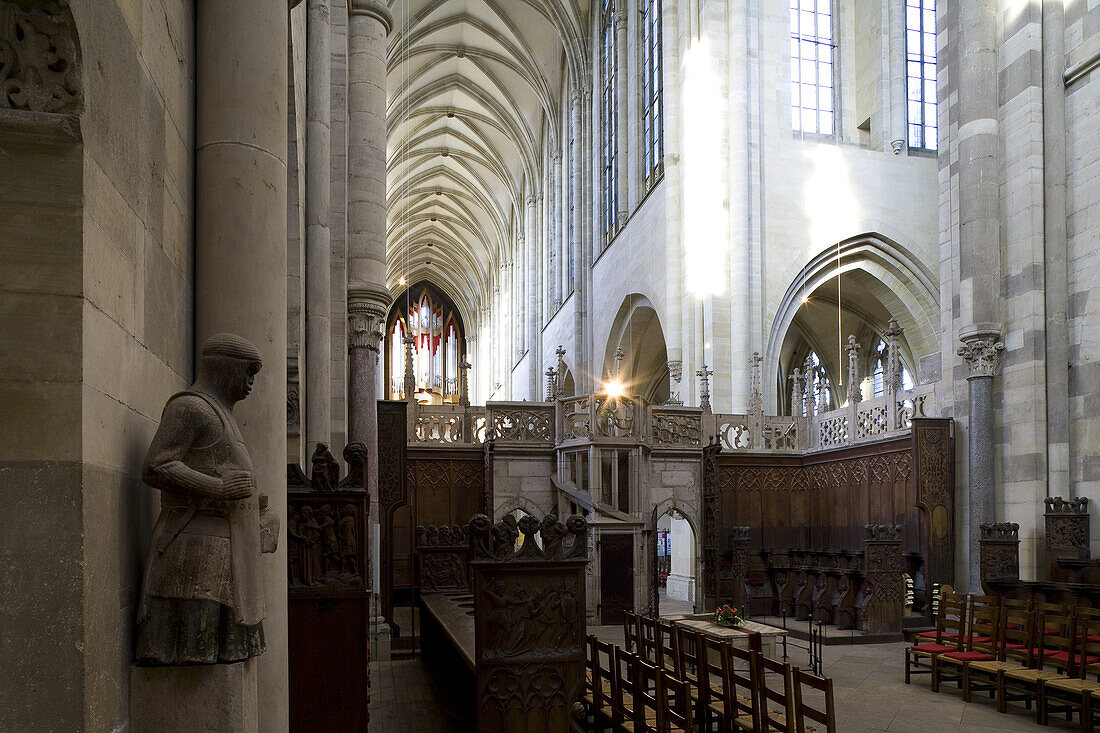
(219, 698)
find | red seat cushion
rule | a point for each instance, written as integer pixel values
(979, 639)
(1011, 645)
(933, 648)
(1064, 657)
(970, 656)
(1094, 638)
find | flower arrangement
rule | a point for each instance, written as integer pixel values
(728, 616)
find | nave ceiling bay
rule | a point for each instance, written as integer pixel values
(476, 104)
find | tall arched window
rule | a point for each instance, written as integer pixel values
(609, 141)
(812, 66)
(652, 94)
(920, 65)
(430, 318)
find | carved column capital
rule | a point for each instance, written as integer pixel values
(532, 199)
(373, 9)
(620, 21)
(982, 352)
(366, 312)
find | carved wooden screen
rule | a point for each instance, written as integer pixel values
(392, 489)
(822, 501)
(445, 487)
(529, 620)
(329, 609)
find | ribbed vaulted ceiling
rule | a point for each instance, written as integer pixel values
(473, 87)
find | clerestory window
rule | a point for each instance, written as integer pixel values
(812, 66)
(920, 62)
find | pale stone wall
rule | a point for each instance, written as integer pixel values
(522, 481)
(1083, 260)
(41, 612)
(137, 314)
(111, 320)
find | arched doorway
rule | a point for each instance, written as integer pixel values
(675, 564)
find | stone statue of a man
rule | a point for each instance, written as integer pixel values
(201, 599)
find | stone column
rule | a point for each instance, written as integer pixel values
(979, 249)
(575, 234)
(982, 353)
(894, 14)
(318, 423)
(532, 304)
(622, 122)
(369, 22)
(240, 258)
(553, 244)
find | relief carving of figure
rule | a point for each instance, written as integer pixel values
(295, 540)
(202, 598)
(349, 543)
(311, 548)
(330, 543)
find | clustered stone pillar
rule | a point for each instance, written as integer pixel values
(318, 423)
(979, 250)
(369, 22)
(240, 263)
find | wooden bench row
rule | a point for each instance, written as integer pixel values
(675, 679)
(1041, 653)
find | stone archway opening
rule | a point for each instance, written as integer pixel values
(676, 564)
(636, 353)
(817, 338)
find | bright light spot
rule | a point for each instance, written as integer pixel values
(706, 218)
(829, 200)
(401, 280)
(614, 389)
(805, 300)
(706, 345)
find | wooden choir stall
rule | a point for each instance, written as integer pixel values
(329, 593)
(504, 605)
(832, 535)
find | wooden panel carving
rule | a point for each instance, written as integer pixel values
(821, 502)
(443, 558)
(884, 567)
(329, 602)
(529, 611)
(392, 489)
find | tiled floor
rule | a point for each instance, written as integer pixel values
(410, 696)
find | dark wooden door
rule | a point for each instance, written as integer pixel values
(616, 577)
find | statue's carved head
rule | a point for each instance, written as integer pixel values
(230, 364)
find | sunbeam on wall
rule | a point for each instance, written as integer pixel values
(706, 242)
(828, 197)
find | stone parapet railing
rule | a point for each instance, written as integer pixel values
(596, 417)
